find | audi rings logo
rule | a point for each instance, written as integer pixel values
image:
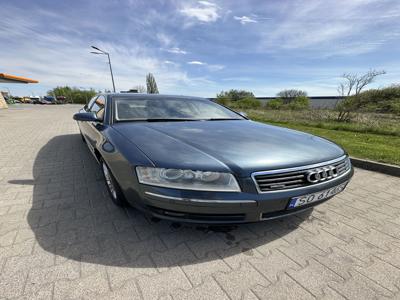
(321, 174)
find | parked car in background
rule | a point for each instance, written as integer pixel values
(61, 99)
(26, 100)
(190, 159)
(49, 100)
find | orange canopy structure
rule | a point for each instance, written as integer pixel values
(15, 79)
(7, 78)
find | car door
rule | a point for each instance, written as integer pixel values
(93, 129)
(84, 126)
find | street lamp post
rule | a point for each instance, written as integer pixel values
(109, 62)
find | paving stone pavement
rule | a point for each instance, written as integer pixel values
(62, 238)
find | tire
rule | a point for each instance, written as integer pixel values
(112, 186)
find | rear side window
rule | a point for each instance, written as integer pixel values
(98, 107)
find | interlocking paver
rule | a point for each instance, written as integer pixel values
(61, 237)
(163, 283)
(285, 288)
(208, 290)
(239, 282)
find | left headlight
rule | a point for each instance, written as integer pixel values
(188, 179)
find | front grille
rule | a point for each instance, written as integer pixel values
(300, 177)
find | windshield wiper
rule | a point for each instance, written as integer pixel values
(169, 120)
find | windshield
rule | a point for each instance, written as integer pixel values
(133, 109)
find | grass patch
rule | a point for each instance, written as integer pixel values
(382, 148)
(382, 124)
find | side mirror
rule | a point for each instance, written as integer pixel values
(86, 117)
(243, 114)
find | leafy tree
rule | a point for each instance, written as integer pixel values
(350, 88)
(234, 95)
(72, 94)
(151, 84)
(289, 95)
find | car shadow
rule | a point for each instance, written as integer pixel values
(73, 217)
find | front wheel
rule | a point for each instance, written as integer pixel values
(112, 186)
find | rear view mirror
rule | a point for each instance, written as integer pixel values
(86, 117)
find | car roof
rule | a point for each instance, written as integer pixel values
(154, 96)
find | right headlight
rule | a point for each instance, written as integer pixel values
(188, 179)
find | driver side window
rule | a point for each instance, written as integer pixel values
(89, 105)
(98, 107)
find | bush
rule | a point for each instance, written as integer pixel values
(289, 95)
(235, 95)
(299, 103)
(386, 100)
(275, 104)
(223, 101)
(247, 103)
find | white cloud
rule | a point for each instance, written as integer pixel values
(176, 50)
(245, 19)
(57, 60)
(328, 27)
(164, 39)
(211, 67)
(204, 11)
(206, 3)
(215, 67)
(196, 62)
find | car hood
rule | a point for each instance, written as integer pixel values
(239, 146)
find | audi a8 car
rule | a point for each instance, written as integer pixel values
(191, 159)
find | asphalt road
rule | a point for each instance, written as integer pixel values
(61, 237)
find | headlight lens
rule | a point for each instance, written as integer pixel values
(188, 179)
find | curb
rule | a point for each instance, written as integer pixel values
(376, 166)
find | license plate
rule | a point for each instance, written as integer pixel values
(310, 198)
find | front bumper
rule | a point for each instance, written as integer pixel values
(224, 207)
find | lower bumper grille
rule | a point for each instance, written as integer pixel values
(196, 216)
(300, 177)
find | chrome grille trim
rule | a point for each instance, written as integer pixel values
(295, 178)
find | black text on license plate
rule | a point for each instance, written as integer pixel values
(314, 197)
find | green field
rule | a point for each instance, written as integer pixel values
(377, 147)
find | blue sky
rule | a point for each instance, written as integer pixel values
(199, 47)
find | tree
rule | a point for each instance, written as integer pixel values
(233, 95)
(139, 88)
(151, 84)
(73, 95)
(290, 94)
(350, 88)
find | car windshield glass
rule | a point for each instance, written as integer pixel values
(133, 109)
